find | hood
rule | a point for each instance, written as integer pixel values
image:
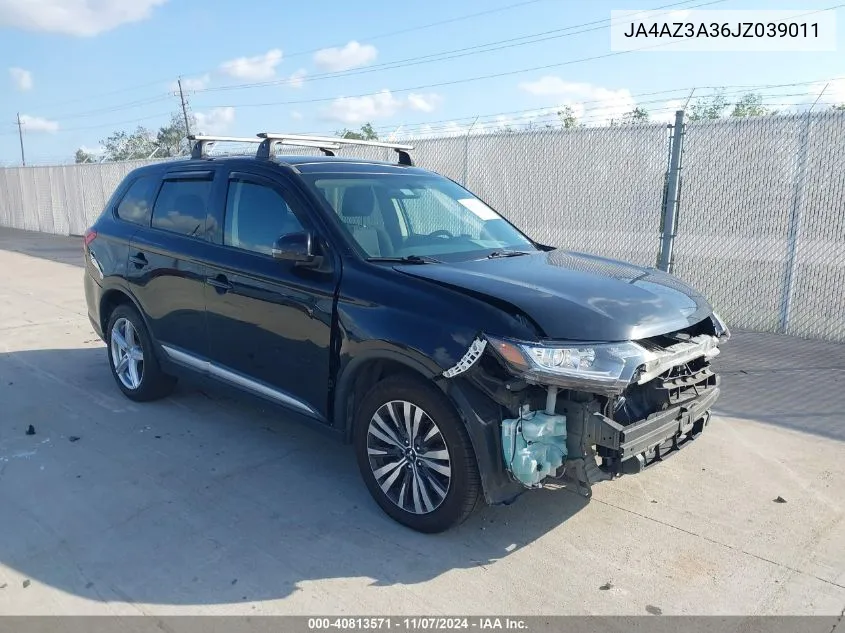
(576, 297)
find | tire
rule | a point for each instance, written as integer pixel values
(412, 492)
(142, 378)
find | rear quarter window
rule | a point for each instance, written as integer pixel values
(136, 205)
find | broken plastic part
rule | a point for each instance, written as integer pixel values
(534, 446)
(469, 359)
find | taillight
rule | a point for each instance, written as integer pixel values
(89, 237)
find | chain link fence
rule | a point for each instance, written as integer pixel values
(761, 229)
(761, 218)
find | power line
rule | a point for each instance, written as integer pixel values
(635, 97)
(489, 76)
(431, 58)
(422, 27)
(307, 52)
(488, 47)
(117, 108)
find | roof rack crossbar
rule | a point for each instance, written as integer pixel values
(265, 150)
(204, 143)
(401, 148)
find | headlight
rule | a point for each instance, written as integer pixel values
(599, 367)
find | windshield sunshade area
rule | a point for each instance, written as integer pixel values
(400, 216)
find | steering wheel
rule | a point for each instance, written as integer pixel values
(441, 233)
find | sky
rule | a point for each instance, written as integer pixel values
(78, 70)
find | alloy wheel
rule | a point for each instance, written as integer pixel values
(408, 457)
(127, 354)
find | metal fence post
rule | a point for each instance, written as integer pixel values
(795, 221)
(670, 203)
(466, 151)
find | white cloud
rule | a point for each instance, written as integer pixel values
(215, 121)
(21, 78)
(350, 56)
(296, 115)
(74, 17)
(381, 105)
(297, 78)
(665, 113)
(193, 83)
(424, 102)
(37, 124)
(598, 104)
(257, 68)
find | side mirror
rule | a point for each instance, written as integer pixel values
(295, 247)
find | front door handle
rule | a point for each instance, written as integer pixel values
(139, 260)
(219, 283)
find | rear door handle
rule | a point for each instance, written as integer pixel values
(139, 260)
(220, 283)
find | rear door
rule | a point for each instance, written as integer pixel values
(165, 267)
(269, 321)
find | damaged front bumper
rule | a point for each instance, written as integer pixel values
(557, 429)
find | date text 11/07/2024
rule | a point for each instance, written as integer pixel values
(417, 624)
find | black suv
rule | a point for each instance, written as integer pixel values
(461, 358)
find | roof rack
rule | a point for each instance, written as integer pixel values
(322, 141)
(204, 143)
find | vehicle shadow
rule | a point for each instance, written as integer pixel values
(205, 498)
(783, 380)
(56, 248)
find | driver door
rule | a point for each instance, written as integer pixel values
(269, 321)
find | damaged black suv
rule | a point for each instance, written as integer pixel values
(461, 358)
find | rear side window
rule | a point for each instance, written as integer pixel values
(137, 204)
(182, 207)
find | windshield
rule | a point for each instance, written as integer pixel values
(394, 216)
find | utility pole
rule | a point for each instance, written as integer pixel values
(184, 107)
(20, 136)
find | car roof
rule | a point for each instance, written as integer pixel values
(299, 163)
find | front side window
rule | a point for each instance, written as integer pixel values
(391, 215)
(256, 216)
(182, 206)
(137, 204)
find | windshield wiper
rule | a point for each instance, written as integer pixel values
(496, 254)
(407, 259)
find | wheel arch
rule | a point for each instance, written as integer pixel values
(114, 297)
(361, 373)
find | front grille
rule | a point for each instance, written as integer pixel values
(679, 385)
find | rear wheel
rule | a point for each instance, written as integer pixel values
(415, 456)
(133, 363)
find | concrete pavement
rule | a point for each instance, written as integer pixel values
(208, 504)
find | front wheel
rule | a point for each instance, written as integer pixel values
(415, 456)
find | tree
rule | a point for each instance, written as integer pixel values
(83, 157)
(567, 117)
(635, 117)
(839, 106)
(367, 133)
(169, 140)
(712, 107)
(172, 139)
(750, 104)
(122, 145)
